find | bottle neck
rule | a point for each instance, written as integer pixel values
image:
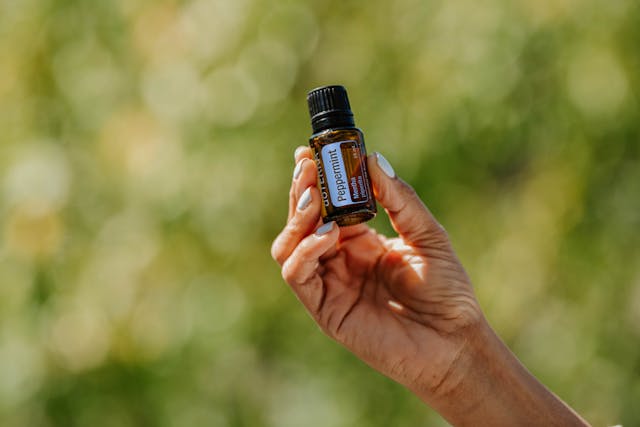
(330, 120)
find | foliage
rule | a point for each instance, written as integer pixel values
(145, 158)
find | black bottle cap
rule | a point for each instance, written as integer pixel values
(329, 108)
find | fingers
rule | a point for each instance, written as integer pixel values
(300, 270)
(302, 152)
(304, 207)
(303, 263)
(300, 180)
(304, 220)
(298, 248)
(409, 216)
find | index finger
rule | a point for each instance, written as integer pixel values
(300, 154)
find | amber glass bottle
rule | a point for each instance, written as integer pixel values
(341, 158)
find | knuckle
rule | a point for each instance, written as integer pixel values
(276, 251)
(295, 227)
(408, 192)
(294, 271)
(283, 247)
(288, 272)
(302, 251)
(324, 328)
(399, 198)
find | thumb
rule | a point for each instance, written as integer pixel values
(410, 218)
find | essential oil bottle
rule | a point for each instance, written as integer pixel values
(341, 158)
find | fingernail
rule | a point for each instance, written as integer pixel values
(325, 228)
(298, 150)
(385, 166)
(305, 199)
(297, 170)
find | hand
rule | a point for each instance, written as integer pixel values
(405, 305)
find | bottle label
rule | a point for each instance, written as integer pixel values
(343, 163)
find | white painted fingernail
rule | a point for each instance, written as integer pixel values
(385, 166)
(305, 199)
(297, 170)
(325, 228)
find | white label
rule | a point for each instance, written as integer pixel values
(345, 188)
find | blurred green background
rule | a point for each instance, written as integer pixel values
(145, 158)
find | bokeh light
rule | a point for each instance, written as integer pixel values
(145, 158)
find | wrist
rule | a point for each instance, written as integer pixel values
(487, 385)
(460, 389)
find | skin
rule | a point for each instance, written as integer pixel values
(406, 307)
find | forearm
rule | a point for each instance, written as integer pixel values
(489, 386)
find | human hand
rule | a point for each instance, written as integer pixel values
(405, 305)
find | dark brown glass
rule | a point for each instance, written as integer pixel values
(353, 213)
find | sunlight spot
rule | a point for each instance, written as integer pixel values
(395, 305)
(418, 266)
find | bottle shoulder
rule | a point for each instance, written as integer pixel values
(335, 134)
